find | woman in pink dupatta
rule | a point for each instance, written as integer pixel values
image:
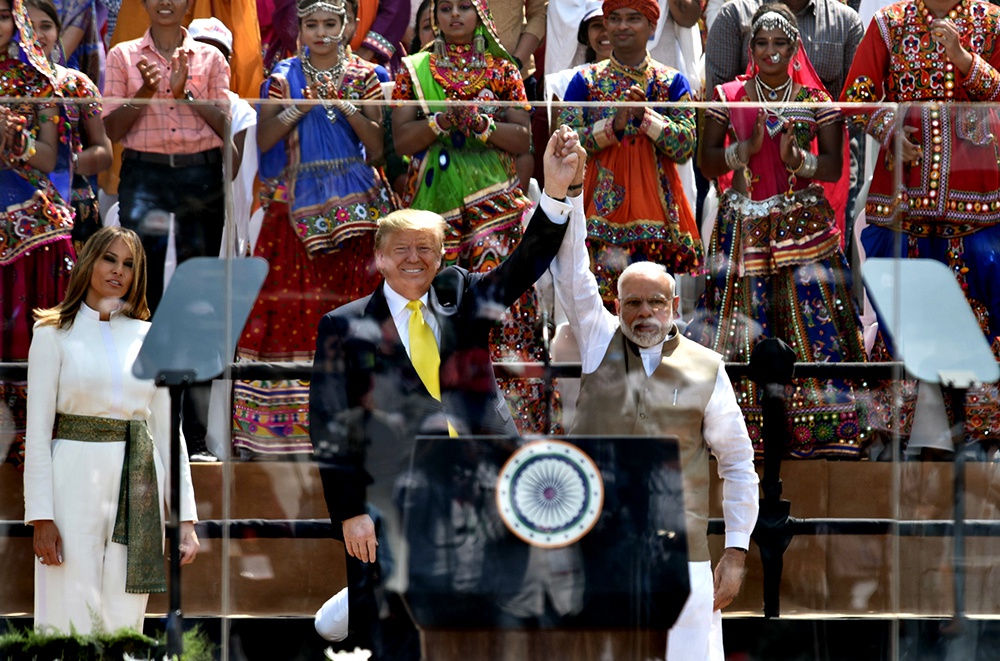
(775, 263)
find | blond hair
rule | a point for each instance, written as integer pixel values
(410, 219)
(134, 301)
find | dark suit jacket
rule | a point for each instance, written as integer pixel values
(366, 401)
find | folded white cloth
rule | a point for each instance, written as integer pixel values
(331, 618)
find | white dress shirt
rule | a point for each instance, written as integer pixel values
(723, 429)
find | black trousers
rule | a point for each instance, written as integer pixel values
(195, 194)
(148, 193)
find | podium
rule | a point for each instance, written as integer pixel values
(596, 523)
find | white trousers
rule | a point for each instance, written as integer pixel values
(697, 633)
(87, 592)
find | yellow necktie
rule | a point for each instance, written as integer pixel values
(424, 354)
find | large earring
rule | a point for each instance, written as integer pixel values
(479, 50)
(797, 65)
(440, 52)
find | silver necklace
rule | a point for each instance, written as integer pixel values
(326, 82)
(784, 89)
(775, 119)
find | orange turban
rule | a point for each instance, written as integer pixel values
(648, 8)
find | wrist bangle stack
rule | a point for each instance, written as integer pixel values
(27, 149)
(290, 116)
(432, 121)
(485, 134)
(348, 108)
(807, 168)
(733, 158)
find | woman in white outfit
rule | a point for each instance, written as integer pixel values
(97, 449)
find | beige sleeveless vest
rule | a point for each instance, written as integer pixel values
(618, 398)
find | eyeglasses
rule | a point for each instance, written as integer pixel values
(655, 303)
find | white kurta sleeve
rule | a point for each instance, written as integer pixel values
(159, 427)
(44, 364)
(577, 292)
(725, 432)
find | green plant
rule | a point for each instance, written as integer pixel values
(32, 645)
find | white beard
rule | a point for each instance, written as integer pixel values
(645, 338)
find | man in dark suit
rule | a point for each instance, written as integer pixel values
(372, 391)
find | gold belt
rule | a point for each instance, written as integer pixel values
(137, 523)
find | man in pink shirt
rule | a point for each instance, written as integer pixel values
(166, 103)
(158, 106)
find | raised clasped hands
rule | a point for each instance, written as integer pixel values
(564, 162)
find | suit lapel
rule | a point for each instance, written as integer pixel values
(391, 347)
(444, 314)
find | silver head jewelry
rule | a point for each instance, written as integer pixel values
(332, 6)
(772, 20)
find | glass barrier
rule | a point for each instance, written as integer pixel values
(561, 519)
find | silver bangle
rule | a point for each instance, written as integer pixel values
(348, 108)
(733, 157)
(290, 116)
(807, 168)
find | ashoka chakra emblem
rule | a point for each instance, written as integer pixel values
(550, 494)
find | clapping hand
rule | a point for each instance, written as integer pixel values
(12, 132)
(634, 94)
(464, 118)
(7, 134)
(789, 149)
(750, 147)
(179, 73)
(150, 78)
(309, 93)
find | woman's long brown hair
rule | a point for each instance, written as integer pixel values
(134, 301)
